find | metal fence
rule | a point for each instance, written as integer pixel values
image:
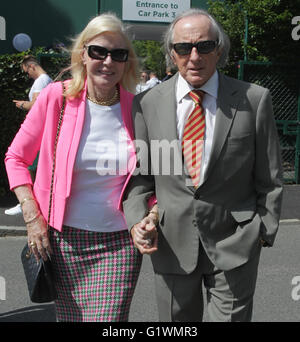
(283, 81)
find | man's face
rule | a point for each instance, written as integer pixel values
(195, 68)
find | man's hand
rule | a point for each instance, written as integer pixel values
(144, 235)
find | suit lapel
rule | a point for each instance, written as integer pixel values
(166, 110)
(227, 103)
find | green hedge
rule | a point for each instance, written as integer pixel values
(15, 85)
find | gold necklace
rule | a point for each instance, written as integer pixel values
(102, 102)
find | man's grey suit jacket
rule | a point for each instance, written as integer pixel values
(240, 199)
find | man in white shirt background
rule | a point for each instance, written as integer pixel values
(153, 80)
(34, 70)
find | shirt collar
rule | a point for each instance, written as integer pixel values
(210, 87)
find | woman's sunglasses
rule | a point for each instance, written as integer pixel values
(204, 47)
(100, 53)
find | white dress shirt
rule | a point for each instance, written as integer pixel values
(185, 106)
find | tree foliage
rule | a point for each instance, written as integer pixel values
(269, 29)
(151, 56)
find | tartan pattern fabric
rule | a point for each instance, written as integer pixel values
(95, 274)
(193, 135)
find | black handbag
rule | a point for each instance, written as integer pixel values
(39, 275)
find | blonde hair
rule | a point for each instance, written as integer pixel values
(107, 22)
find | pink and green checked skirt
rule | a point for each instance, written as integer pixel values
(95, 274)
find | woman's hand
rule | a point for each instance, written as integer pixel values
(38, 240)
(144, 234)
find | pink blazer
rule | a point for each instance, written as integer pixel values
(37, 133)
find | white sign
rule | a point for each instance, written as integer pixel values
(154, 10)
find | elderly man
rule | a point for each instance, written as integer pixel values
(214, 216)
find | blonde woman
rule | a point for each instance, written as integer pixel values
(96, 265)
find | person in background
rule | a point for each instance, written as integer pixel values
(169, 74)
(34, 70)
(96, 265)
(221, 200)
(142, 85)
(153, 80)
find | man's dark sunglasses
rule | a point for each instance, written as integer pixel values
(100, 53)
(205, 46)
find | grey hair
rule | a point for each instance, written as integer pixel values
(221, 36)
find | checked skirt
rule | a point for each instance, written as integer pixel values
(95, 274)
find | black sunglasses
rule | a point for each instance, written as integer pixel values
(100, 53)
(205, 46)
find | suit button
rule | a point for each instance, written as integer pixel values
(137, 164)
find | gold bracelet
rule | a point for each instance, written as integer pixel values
(34, 218)
(26, 199)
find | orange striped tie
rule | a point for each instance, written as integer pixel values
(193, 138)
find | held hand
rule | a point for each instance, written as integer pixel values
(38, 239)
(144, 235)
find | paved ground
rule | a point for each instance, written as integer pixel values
(274, 295)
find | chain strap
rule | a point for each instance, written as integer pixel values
(54, 152)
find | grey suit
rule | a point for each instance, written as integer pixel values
(239, 201)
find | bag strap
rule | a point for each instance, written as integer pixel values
(54, 151)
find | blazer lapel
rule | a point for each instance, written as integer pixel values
(166, 110)
(227, 103)
(79, 105)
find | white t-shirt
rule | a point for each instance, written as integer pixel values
(141, 87)
(152, 82)
(99, 172)
(40, 83)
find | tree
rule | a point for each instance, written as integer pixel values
(269, 29)
(151, 56)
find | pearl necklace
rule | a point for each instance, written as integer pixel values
(113, 100)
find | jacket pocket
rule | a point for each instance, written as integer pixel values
(243, 215)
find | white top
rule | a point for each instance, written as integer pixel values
(149, 84)
(141, 87)
(99, 172)
(152, 82)
(40, 83)
(185, 106)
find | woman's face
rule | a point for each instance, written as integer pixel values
(104, 74)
